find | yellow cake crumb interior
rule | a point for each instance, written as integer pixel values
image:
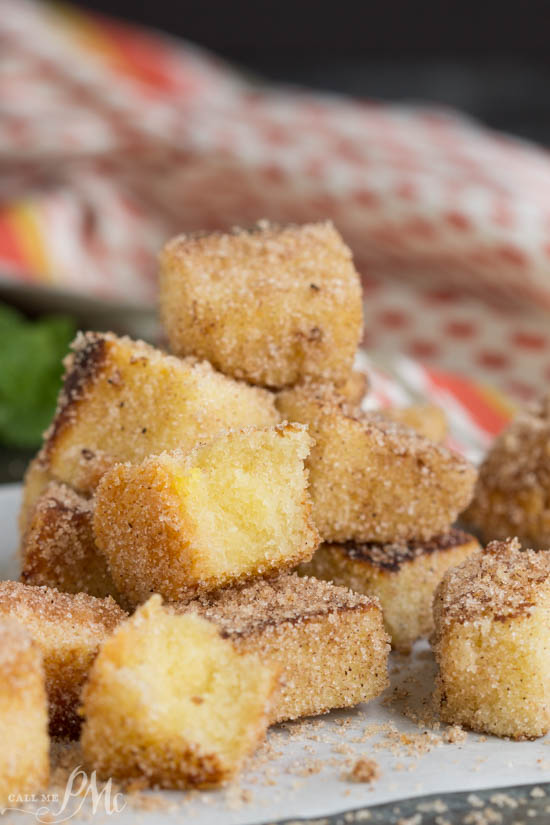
(166, 685)
(24, 741)
(123, 400)
(250, 502)
(229, 510)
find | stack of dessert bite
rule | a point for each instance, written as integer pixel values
(186, 489)
(386, 510)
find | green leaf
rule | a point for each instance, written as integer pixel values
(30, 374)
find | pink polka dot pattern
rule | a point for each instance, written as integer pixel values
(530, 340)
(460, 329)
(394, 318)
(423, 348)
(449, 223)
(493, 359)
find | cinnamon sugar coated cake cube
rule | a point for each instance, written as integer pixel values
(329, 643)
(512, 495)
(428, 420)
(123, 400)
(169, 701)
(58, 548)
(403, 576)
(24, 741)
(272, 305)
(371, 479)
(356, 387)
(181, 523)
(491, 642)
(68, 629)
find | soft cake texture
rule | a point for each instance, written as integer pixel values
(24, 741)
(371, 479)
(403, 576)
(123, 400)
(491, 642)
(58, 547)
(170, 702)
(233, 509)
(512, 495)
(329, 643)
(273, 305)
(68, 630)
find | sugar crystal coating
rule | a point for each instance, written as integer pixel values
(371, 479)
(501, 582)
(403, 576)
(240, 611)
(330, 643)
(272, 305)
(68, 629)
(393, 556)
(24, 742)
(491, 642)
(512, 495)
(58, 548)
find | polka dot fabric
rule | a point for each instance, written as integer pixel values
(475, 413)
(506, 346)
(113, 139)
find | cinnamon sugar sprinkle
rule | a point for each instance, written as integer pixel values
(393, 556)
(45, 604)
(287, 598)
(502, 581)
(519, 456)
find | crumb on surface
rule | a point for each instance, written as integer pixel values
(365, 770)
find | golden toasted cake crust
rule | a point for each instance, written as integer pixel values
(82, 368)
(228, 511)
(491, 642)
(329, 642)
(512, 495)
(402, 576)
(69, 630)
(59, 549)
(393, 557)
(37, 478)
(123, 400)
(171, 703)
(372, 479)
(24, 742)
(272, 305)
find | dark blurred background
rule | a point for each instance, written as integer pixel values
(491, 59)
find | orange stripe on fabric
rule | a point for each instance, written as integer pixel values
(488, 409)
(10, 247)
(125, 50)
(23, 224)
